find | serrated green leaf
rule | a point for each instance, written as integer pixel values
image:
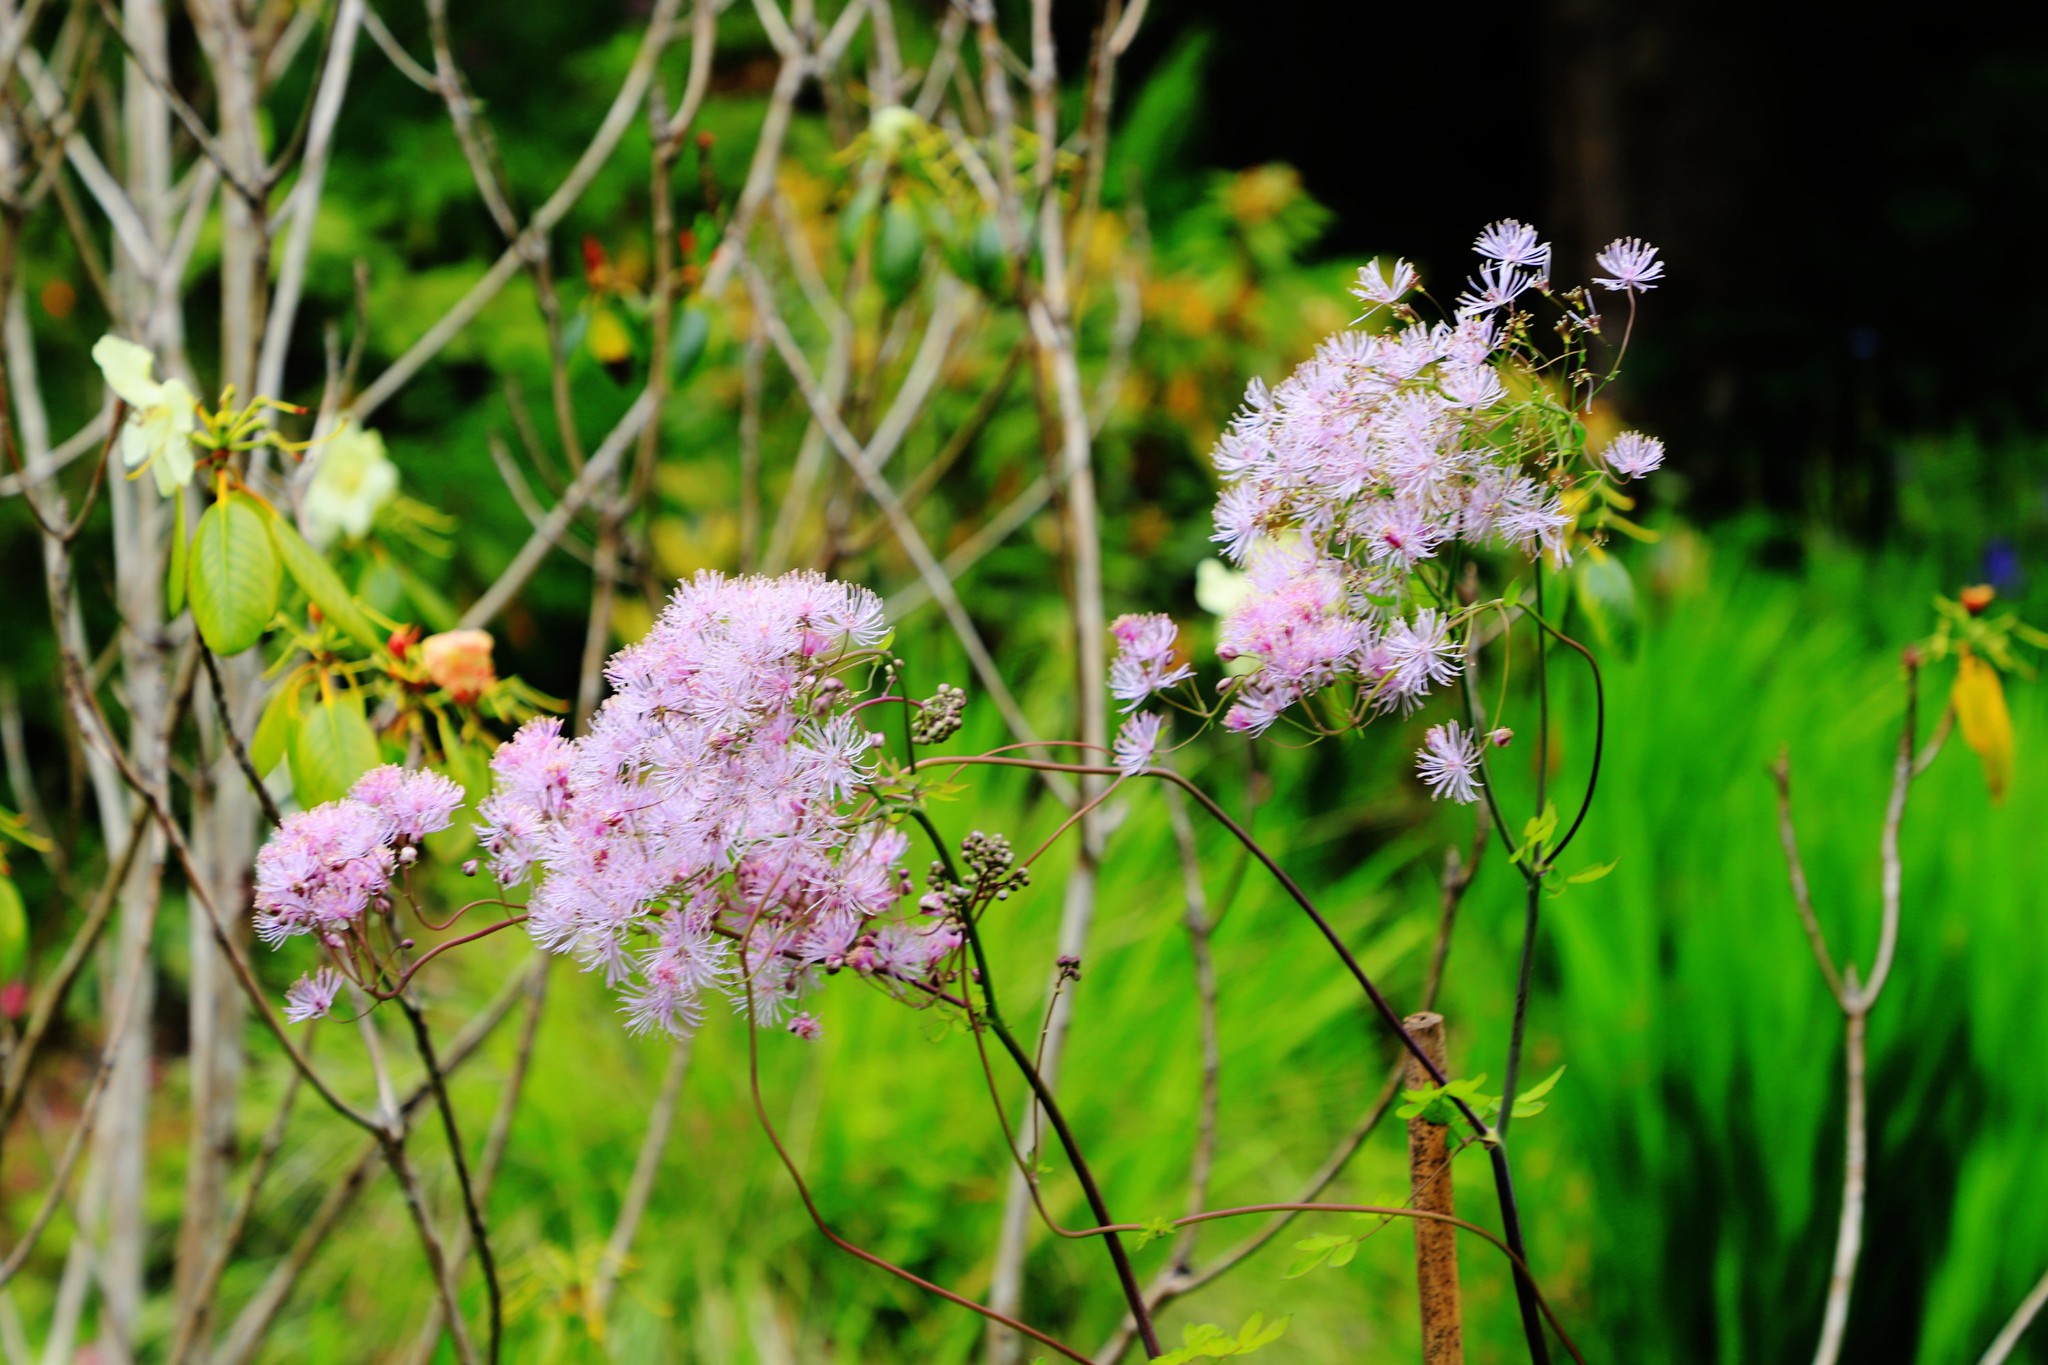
(318, 580)
(174, 585)
(13, 933)
(332, 747)
(233, 576)
(268, 745)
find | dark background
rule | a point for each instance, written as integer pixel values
(1851, 200)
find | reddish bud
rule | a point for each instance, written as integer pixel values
(597, 267)
(402, 640)
(1975, 599)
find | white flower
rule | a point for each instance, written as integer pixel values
(1219, 588)
(353, 479)
(161, 417)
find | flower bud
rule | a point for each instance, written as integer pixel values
(1500, 738)
(1975, 599)
(469, 868)
(460, 661)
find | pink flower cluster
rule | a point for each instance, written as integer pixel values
(712, 808)
(323, 867)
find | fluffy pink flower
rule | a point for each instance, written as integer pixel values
(413, 803)
(1137, 741)
(1631, 264)
(1633, 454)
(320, 870)
(1448, 762)
(1145, 661)
(712, 806)
(312, 997)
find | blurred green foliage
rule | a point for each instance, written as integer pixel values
(1682, 1187)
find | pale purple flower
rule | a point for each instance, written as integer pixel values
(1633, 454)
(1514, 243)
(311, 997)
(1497, 285)
(413, 804)
(1137, 741)
(320, 870)
(1380, 286)
(1448, 762)
(714, 797)
(807, 1027)
(1631, 264)
(1419, 655)
(1145, 661)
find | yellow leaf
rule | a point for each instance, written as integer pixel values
(1979, 702)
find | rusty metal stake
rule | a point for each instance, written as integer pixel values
(1429, 1183)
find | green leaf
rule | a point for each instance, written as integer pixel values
(332, 747)
(1593, 873)
(233, 575)
(174, 586)
(318, 580)
(13, 933)
(1531, 1102)
(274, 729)
(1312, 1252)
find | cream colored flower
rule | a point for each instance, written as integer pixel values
(161, 416)
(353, 479)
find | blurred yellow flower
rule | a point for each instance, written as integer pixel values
(161, 416)
(353, 479)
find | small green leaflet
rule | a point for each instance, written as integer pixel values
(1157, 1230)
(1537, 833)
(1206, 1341)
(1592, 874)
(232, 574)
(1329, 1248)
(1434, 1103)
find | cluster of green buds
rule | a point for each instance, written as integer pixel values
(939, 716)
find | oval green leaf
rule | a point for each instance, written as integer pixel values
(232, 576)
(332, 747)
(318, 580)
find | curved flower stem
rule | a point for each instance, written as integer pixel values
(1127, 1277)
(1503, 1176)
(1533, 870)
(398, 988)
(803, 1193)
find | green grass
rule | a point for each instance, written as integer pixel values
(1682, 1188)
